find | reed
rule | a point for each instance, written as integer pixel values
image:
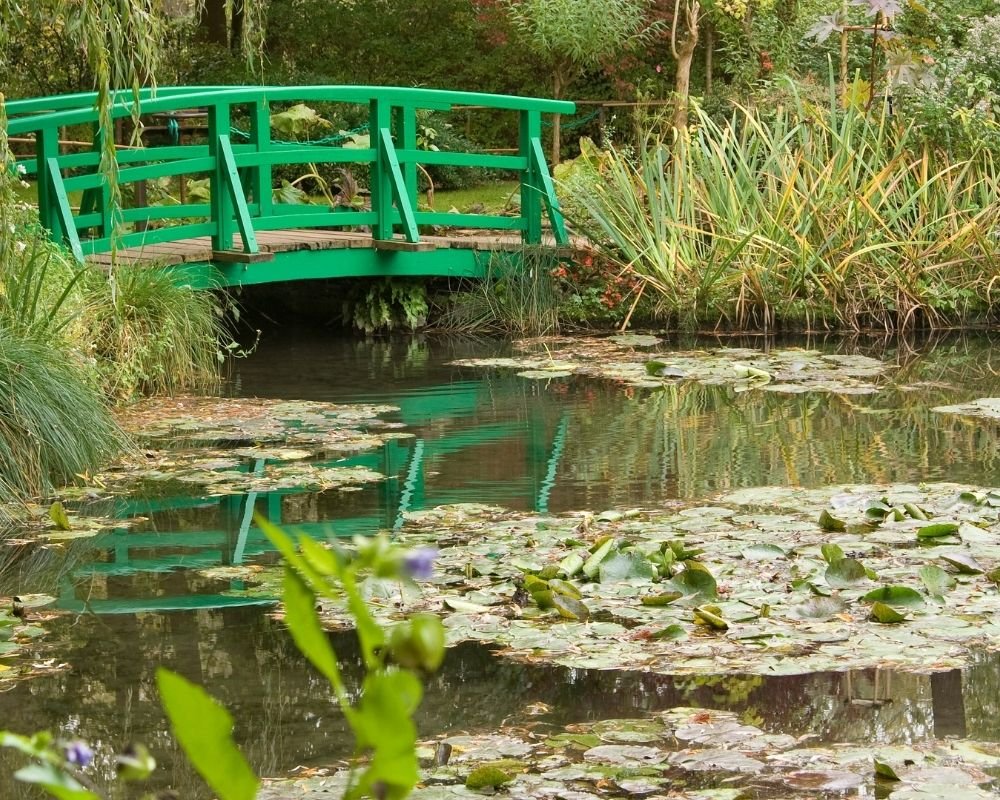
(804, 216)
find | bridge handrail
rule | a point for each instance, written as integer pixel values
(241, 174)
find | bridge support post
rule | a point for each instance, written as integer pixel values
(47, 147)
(260, 132)
(381, 187)
(531, 195)
(221, 203)
(406, 138)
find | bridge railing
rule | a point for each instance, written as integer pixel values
(240, 170)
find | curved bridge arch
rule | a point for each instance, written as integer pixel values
(242, 234)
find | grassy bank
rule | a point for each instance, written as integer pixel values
(803, 216)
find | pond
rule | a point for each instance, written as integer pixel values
(151, 592)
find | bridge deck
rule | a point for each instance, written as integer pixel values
(199, 250)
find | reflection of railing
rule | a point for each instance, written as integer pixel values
(240, 173)
(402, 461)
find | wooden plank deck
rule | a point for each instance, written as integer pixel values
(199, 250)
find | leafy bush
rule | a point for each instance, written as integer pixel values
(386, 304)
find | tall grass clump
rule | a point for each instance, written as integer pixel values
(517, 295)
(152, 335)
(54, 421)
(807, 215)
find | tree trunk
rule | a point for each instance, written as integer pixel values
(709, 58)
(684, 53)
(236, 27)
(212, 22)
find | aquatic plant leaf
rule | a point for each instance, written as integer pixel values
(902, 596)
(819, 608)
(55, 781)
(963, 562)
(885, 614)
(670, 633)
(845, 572)
(592, 565)
(569, 607)
(937, 530)
(59, 517)
(710, 616)
(626, 567)
(936, 580)
(694, 583)
(831, 552)
(884, 771)
(828, 522)
(762, 552)
(661, 599)
(204, 729)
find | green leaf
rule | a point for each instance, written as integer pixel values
(626, 567)
(564, 588)
(831, 552)
(203, 728)
(135, 764)
(963, 562)
(570, 607)
(914, 511)
(936, 580)
(662, 599)
(710, 616)
(887, 615)
(828, 522)
(55, 781)
(937, 530)
(763, 552)
(58, 516)
(845, 572)
(593, 564)
(670, 633)
(902, 596)
(884, 771)
(303, 623)
(694, 583)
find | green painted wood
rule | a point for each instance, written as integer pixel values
(237, 195)
(84, 222)
(325, 219)
(146, 172)
(531, 199)
(147, 213)
(380, 182)
(549, 197)
(152, 236)
(405, 133)
(60, 200)
(165, 100)
(47, 148)
(260, 138)
(222, 206)
(313, 154)
(400, 192)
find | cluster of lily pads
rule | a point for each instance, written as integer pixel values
(681, 754)
(20, 628)
(762, 581)
(630, 359)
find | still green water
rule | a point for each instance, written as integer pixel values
(490, 437)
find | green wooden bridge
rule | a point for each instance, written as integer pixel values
(243, 234)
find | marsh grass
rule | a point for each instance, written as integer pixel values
(518, 295)
(153, 336)
(804, 216)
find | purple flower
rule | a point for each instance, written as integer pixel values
(419, 563)
(78, 752)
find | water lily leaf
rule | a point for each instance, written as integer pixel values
(963, 562)
(58, 516)
(878, 511)
(763, 552)
(884, 771)
(593, 564)
(570, 607)
(662, 599)
(635, 340)
(902, 596)
(845, 572)
(565, 588)
(831, 552)
(625, 567)
(465, 607)
(829, 522)
(936, 580)
(670, 633)
(887, 615)
(710, 616)
(571, 565)
(694, 583)
(819, 608)
(937, 530)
